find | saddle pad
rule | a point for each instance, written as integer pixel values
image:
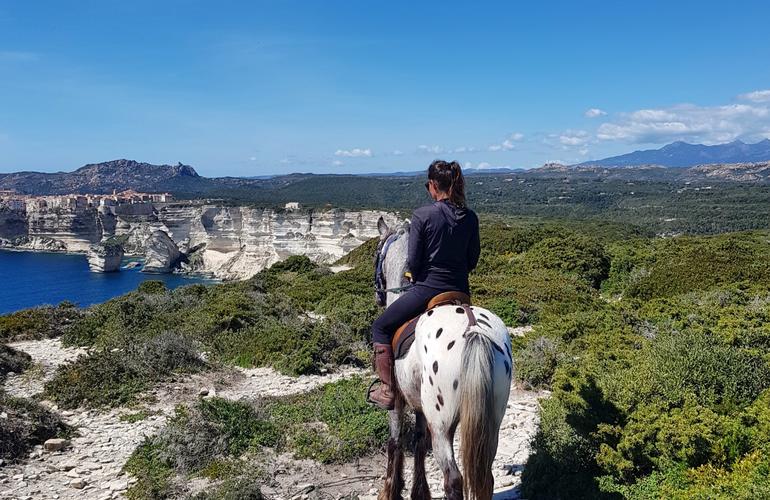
(404, 338)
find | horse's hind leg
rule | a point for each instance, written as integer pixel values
(420, 490)
(394, 480)
(445, 457)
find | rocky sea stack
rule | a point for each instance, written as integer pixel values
(105, 257)
(161, 253)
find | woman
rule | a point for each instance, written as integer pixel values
(443, 248)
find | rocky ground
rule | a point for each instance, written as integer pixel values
(90, 465)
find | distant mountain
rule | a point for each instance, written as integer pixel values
(682, 154)
(103, 178)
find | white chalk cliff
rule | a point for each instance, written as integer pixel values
(229, 242)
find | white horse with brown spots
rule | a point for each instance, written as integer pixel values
(455, 372)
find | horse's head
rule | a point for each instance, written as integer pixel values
(390, 262)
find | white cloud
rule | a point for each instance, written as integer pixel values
(285, 161)
(756, 96)
(594, 113)
(252, 158)
(574, 138)
(507, 144)
(464, 149)
(483, 165)
(354, 153)
(688, 122)
(423, 148)
(337, 163)
(397, 152)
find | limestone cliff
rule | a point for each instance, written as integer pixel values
(228, 242)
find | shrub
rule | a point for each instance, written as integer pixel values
(573, 254)
(239, 488)
(679, 265)
(536, 363)
(535, 293)
(114, 377)
(349, 427)
(212, 429)
(152, 472)
(39, 322)
(12, 360)
(25, 424)
(152, 287)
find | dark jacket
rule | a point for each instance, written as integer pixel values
(443, 246)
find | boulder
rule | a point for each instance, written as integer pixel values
(55, 444)
(105, 257)
(161, 253)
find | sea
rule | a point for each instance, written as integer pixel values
(29, 279)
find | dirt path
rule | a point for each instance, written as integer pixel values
(91, 466)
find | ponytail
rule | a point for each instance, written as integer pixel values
(449, 179)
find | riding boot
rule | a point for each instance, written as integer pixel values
(384, 395)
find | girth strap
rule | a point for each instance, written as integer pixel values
(471, 316)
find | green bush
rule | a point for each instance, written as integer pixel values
(39, 322)
(536, 362)
(216, 438)
(12, 360)
(152, 472)
(331, 424)
(574, 254)
(684, 264)
(649, 393)
(24, 424)
(114, 377)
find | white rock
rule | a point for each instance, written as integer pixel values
(78, 483)
(119, 485)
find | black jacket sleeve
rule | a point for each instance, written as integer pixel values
(474, 246)
(414, 259)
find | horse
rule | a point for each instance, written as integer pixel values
(456, 372)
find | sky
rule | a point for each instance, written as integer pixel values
(267, 87)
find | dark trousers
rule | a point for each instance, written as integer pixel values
(407, 306)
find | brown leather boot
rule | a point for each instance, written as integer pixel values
(384, 395)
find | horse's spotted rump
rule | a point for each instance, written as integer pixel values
(507, 368)
(430, 379)
(435, 367)
(484, 316)
(450, 345)
(460, 310)
(482, 322)
(497, 348)
(454, 384)
(426, 348)
(439, 332)
(441, 400)
(438, 408)
(430, 312)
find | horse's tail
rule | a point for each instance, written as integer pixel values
(478, 435)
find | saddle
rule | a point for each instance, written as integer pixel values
(404, 336)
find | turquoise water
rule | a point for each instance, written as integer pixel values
(29, 279)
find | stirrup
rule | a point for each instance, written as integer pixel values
(369, 391)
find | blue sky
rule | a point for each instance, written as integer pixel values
(253, 88)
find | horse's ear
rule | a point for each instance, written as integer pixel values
(382, 226)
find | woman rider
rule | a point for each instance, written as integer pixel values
(443, 248)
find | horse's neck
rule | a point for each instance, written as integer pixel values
(395, 264)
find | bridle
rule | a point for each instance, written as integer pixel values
(380, 285)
